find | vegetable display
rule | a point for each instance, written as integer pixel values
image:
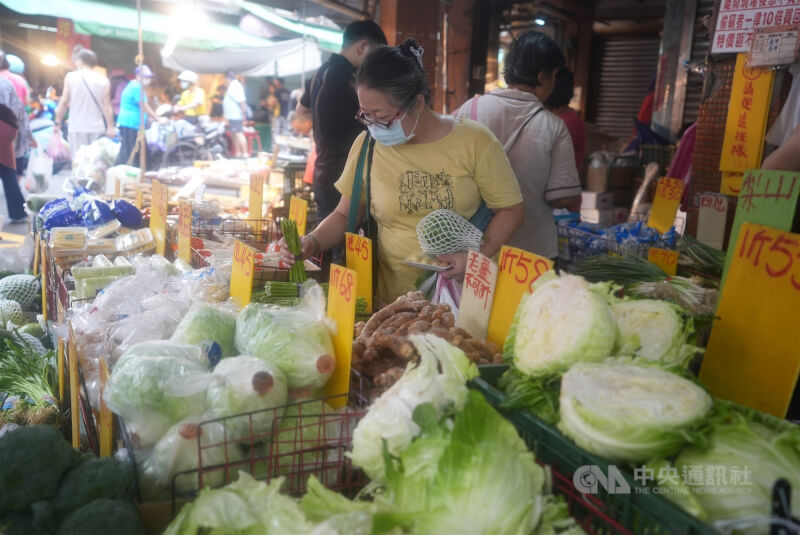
(205, 322)
(297, 273)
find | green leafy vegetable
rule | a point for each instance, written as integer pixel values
(537, 394)
(103, 516)
(98, 477)
(622, 270)
(205, 322)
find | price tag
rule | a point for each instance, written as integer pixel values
(74, 406)
(255, 201)
(105, 422)
(298, 212)
(752, 355)
(666, 259)
(37, 250)
(117, 188)
(359, 259)
(767, 198)
(244, 193)
(477, 295)
(138, 201)
(712, 215)
(242, 273)
(45, 289)
(731, 183)
(158, 216)
(185, 230)
(61, 349)
(342, 309)
(665, 205)
(517, 272)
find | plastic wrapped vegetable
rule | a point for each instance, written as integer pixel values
(168, 348)
(153, 393)
(245, 384)
(204, 322)
(295, 339)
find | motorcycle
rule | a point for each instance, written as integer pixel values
(181, 143)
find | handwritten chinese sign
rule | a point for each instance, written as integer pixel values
(255, 201)
(185, 230)
(666, 259)
(752, 355)
(342, 309)
(358, 256)
(738, 18)
(711, 217)
(774, 46)
(298, 212)
(242, 273)
(517, 273)
(158, 216)
(767, 198)
(477, 296)
(665, 205)
(747, 117)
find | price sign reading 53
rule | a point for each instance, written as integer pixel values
(773, 253)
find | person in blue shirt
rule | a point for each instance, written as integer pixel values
(129, 112)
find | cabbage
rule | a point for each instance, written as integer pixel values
(565, 320)
(748, 453)
(153, 393)
(167, 348)
(390, 418)
(629, 413)
(177, 451)
(295, 339)
(654, 330)
(242, 385)
(207, 323)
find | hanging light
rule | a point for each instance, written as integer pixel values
(539, 21)
(50, 60)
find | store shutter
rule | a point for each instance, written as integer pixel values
(700, 47)
(627, 63)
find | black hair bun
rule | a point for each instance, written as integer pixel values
(410, 48)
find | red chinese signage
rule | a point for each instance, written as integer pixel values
(66, 39)
(738, 18)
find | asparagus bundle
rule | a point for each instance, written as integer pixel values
(297, 273)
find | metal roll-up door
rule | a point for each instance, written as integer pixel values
(700, 47)
(627, 64)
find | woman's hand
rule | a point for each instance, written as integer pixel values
(306, 250)
(457, 263)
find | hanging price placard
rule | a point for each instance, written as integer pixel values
(358, 257)
(665, 205)
(298, 212)
(752, 355)
(105, 422)
(517, 272)
(477, 295)
(342, 294)
(45, 289)
(255, 201)
(158, 216)
(731, 183)
(185, 230)
(666, 259)
(242, 273)
(74, 407)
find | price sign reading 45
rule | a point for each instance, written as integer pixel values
(298, 212)
(242, 273)
(185, 230)
(517, 272)
(342, 310)
(255, 201)
(358, 257)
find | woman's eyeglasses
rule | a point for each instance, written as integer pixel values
(361, 118)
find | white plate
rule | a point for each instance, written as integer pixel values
(427, 267)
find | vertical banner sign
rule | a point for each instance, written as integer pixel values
(731, 183)
(751, 93)
(185, 230)
(752, 355)
(665, 205)
(517, 272)
(242, 273)
(711, 217)
(105, 422)
(666, 259)
(298, 212)
(341, 309)
(477, 295)
(358, 255)
(255, 201)
(74, 407)
(767, 198)
(158, 216)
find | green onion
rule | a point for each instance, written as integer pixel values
(622, 270)
(705, 258)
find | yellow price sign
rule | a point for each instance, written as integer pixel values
(105, 423)
(61, 349)
(666, 259)
(158, 216)
(37, 250)
(117, 188)
(358, 255)
(342, 309)
(665, 205)
(242, 272)
(138, 201)
(752, 355)
(45, 289)
(298, 212)
(255, 200)
(517, 272)
(731, 183)
(185, 230)
(74, 407)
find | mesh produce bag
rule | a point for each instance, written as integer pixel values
(445, 232)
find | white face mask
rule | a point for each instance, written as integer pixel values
(146, 81)
(185, 85)
(394, 135)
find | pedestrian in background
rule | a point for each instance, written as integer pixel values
(234, 107)
(130, 111)
(12, 120)
(25, 138)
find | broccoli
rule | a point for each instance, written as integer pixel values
(102, 517)
(34, 459)
(94, 478)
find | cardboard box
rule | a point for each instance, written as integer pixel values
(600, 217)
(596, 200)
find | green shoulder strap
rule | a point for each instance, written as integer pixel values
(358, 182)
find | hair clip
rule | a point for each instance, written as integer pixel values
(417, 51)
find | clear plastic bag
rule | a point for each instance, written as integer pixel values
(205, 322)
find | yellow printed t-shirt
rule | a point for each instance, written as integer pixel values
(410, 181)
(193, 95)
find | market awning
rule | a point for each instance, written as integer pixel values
(328, 38)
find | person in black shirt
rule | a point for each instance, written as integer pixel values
(333, 104)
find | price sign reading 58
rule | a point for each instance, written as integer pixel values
(342, 310)
(517, 272)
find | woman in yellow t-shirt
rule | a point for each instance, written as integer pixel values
(422, 161)
(193, 98)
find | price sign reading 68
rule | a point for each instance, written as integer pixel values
(517, 272)
(342, 310)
